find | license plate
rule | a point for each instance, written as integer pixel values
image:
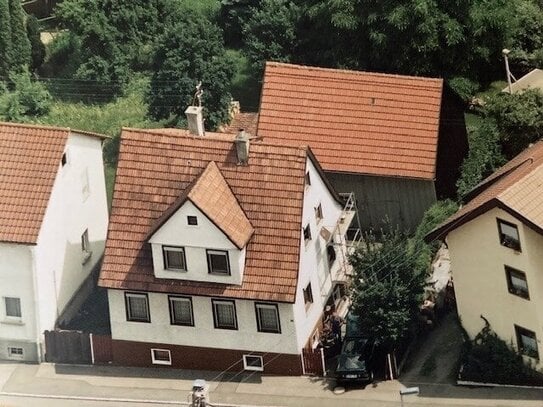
(351, 376)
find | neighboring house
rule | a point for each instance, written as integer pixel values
(532, 80)
(53, 224)
(220, 256)
(396, 141)
(496, 250)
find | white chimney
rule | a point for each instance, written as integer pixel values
(242, 147)
(195, 119)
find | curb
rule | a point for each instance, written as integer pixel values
(117, 400)
(481, 384)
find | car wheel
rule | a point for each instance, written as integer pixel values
(371, 377)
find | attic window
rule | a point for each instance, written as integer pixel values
(307, 233)
(64, 159)
(192, 220)
(318, 213)
(307, 178)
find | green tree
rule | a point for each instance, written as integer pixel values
(270, 33)
(190, 50)
(37, 47)
(5, 40)
(20, 45)
(518, 117)
(386, 287)
(27, 99)
(233, 15)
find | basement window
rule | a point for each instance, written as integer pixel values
(16, 353)
(161, 356)
(253, 362)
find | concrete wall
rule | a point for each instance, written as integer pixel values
(195, 240)
(17, 280)
(478, 261)
(401, 200)
(313, 259)
(78, 202)
(203, 333)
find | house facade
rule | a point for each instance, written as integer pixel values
(52, 232)
(220, 255)
(496, 250)
(396, 141)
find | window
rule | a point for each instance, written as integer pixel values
(526, 342)
(308, 295)
(85, 188)
(253, 362)
(137, 307)
(318, 213)
(307, 233)
(161, 357)
(64, 159)
(15, 353)
(217, 262)
(338, 293)
(181, 311)
(13, 307)
(516, 282)
(330, 255)
(267, 318)
(509, 235)
(224, 314)
(174, 258)
(307, 179)
(192, 220)
(85, 246)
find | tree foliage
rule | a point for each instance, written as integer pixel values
(27, 99)
(386, 287)
(5, 39)
(270, 32)
(36, 46)
(233, 16)
(20, 45)
(190, 50)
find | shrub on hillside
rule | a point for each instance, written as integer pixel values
(27, 99)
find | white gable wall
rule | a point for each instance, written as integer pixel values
(71, 210)
(195, 240)
(16, 280)
(313, 259)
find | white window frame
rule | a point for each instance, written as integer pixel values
(16, 355)
(259, 305)
(246, 366)
(17, 318)
(177, 249)
(156, 361)
(127, 296)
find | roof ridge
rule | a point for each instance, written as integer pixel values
(350, 71)
(34, 126)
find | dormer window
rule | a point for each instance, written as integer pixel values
(192, 220)
(217, 262)
(174, 258)
(509, 236)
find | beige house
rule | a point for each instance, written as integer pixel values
(496, 250)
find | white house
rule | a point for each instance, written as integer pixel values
(53, 225)
(220, 255)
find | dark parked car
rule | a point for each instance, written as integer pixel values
(355, 363)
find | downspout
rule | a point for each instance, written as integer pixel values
(36, 303)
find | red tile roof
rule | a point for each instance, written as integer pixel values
(242, 121)
(29, 160)
(209, 188)
(355, 122)
(156, 167)
(515, 187)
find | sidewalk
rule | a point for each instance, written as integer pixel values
(171, 387)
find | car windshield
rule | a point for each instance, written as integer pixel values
(355, 346)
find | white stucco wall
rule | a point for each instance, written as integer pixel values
(203, 333)
(478, 261)
(59, 268)
(195, 239)
(16, 280)
(313, 259)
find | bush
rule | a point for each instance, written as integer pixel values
(28, 98)
(463, 87)
(489, 359)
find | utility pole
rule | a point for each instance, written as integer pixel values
(508, 73)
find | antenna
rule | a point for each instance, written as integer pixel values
(198, 94)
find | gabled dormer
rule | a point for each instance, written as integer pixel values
(203, 235)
